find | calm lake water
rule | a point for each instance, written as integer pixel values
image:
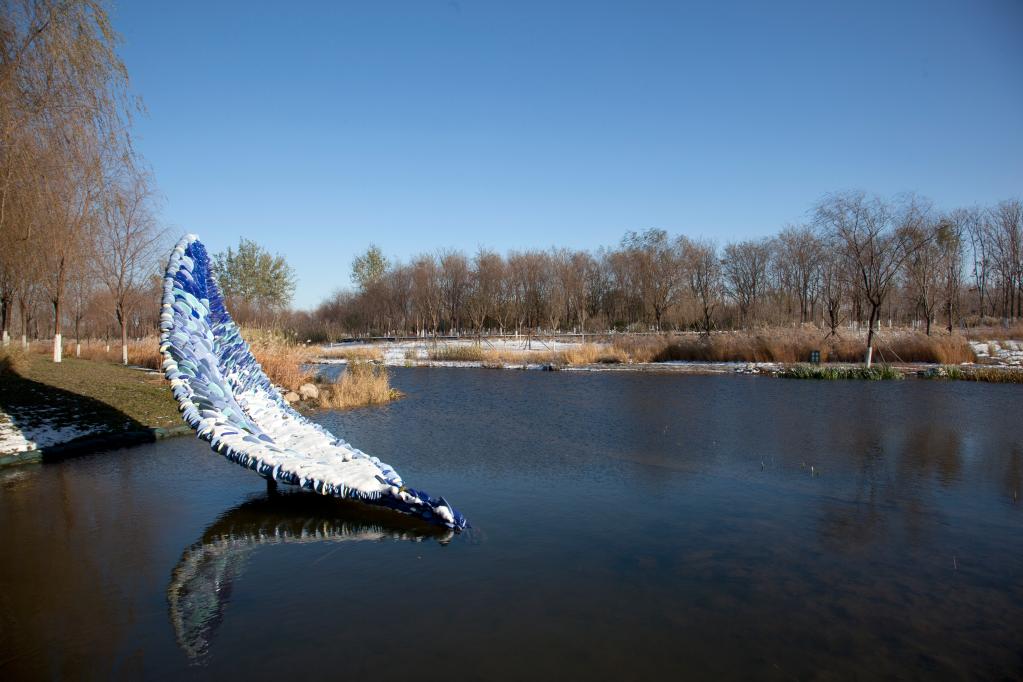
(625, 525)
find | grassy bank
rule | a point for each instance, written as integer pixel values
(87, 392)
(285, 362)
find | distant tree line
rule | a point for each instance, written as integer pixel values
(858, 260)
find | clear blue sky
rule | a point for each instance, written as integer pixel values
(317, 128)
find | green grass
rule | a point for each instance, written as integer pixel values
(87, 392)
(875, 373)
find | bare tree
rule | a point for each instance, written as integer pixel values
(949, 238)
(655, 270)
(704, 273)
(799, 254)
(1006, 226)
(875, 241)
(745, 275)
(834, 286)
(427, 297)
(64, 109)
(127, 238)
(454, 283)
(923, 274)
(484, 285)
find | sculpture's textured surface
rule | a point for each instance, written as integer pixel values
(225, 396)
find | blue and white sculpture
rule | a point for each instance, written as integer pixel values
(224, 395)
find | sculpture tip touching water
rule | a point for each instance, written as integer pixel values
(224, 395)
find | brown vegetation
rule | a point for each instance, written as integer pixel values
(459, 353)
(592, 354)
(284, 361)
(996, 332)
(362, 383)
(793, 346)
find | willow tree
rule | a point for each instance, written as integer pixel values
(64, 114)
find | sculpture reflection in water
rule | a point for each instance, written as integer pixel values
(201, 583)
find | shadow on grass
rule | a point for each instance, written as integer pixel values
(61, 422)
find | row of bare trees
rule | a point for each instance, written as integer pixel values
(858, 258)
(77, 225)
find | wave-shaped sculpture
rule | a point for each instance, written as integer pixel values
(226, 397)
(203, 579)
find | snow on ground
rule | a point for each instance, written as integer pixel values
(26, 432)
(11, 438)
(999, 352)
(401, 353)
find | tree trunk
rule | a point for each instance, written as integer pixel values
(124, 340)
(58, 348)
(5, 314)
(870, 334)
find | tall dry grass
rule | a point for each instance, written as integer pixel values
(459, 353)
(362, 383)
(285, 362)
(592, 353)
(788, 346)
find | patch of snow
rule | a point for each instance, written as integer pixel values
(30, 430)
(1008, 353)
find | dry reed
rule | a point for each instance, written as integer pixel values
(795, 346)
(284, 361)
(459, 353)
(592, 353)
(362, 383)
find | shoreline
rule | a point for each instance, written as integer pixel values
(771, 369)
(90, 444)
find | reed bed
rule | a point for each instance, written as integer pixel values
(459, 353)
(285, 362)
(584, 354)
(794, 346)
(593, 354)
(362, 383)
